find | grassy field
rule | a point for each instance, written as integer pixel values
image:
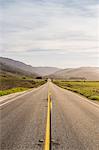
(89, 89)
(13, 90)
(9, 84)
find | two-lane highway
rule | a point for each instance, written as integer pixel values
(74, 121)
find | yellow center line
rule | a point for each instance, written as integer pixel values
(47, 145)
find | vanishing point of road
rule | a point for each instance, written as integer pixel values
(74, 120)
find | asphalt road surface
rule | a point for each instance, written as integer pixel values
(74, 121)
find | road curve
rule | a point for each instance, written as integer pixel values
(74, 121)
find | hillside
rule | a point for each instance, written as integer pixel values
(82, 73)
(15, 68)
(12, 71)
(20, 67)
(14, 77)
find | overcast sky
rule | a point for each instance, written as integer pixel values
(62, 33)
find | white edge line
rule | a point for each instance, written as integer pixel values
(88, 100)
(15, 98)
(85, 99)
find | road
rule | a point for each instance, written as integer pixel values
(74, 121)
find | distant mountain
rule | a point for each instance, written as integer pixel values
(22, 68)
(44, 71)
(14, 67)
(82, 73)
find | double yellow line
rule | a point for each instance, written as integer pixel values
(47, 145)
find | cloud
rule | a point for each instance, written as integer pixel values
(51, 26)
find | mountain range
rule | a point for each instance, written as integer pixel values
(20, 68)
(81, 73)
(13, 67)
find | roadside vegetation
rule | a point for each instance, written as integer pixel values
(12, 84)
(89, 89)
(13, 90)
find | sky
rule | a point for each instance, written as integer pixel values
(59, 33)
